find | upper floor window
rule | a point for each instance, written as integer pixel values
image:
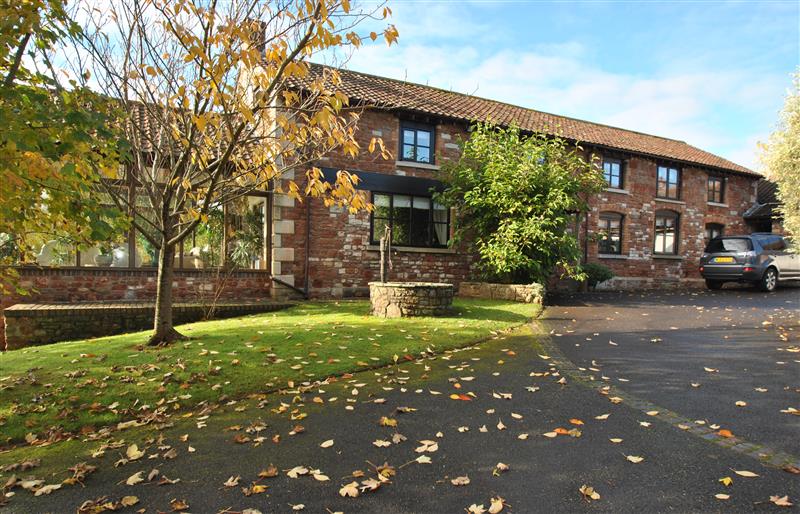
(612, 172)
(416, 143)
(610, 231)
(669, 183)
(716, 189)
(714, 230)
(414, 220)
(667, 229)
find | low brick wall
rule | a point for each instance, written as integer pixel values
(35, 324)
(89, 284)
(526, 293)
(405, 299)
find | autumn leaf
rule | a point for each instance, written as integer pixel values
(297, 471)
(781, 501)
(635, 459)
(349, 490)
(589, 493)
(179, 505)
(744, 473)
(135, 478)
(725, 433)
(496, 505)
(722, 496)
(270, 472)
(726, 481)
(133, 453)
(326, 444)
(576, 421)
(460, 480)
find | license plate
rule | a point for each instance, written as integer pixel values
(723, 259)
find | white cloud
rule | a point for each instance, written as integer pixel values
(686, 104)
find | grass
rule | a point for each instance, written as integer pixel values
(82, 386)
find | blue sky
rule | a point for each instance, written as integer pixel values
(711, 73)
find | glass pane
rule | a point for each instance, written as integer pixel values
(381, 200)
(422, 203)
(246, 245)
(408, 152)
(673, 176)
(662, 189)
(672, 191)
(662, 174)
(441, 234)
(379, 228)
(401, 219)
(205, 249)
(423, 138)
(423, 154)
(408, 137)
(53, 251)
(420, 222)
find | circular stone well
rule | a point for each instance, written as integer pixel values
(406, 299)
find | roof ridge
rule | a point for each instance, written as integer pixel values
(450, 91)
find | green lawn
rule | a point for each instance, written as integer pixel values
(82, 386)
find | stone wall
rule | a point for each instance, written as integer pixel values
(637, 266)
(341, 260)
(35, 324)
(406, 299)
(48, 285)
(526, 293)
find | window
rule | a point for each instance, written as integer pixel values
(416, 143)
(610, 231)
(612, 172)
(414, 220)
(729, 244)
(713, 230)
(666, 240)
(669, 183)
(716, 189)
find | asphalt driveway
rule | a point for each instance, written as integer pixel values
(515, 399)
(695, 353)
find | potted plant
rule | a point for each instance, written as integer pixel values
(106, 255)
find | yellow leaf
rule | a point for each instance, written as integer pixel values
(747, 474)
(635, 459)
(726, 481)
(722, 496)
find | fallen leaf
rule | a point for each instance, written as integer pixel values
(602, 416)
(615, 440)
(781, 501)
(350, 490)
(589, 493)
(722, 496)
(725, 433)
(326, 444)
(748, 474)
(635, 459)
(726, 481)
(133, 452)
(135, 478)
(460, 480)
(496, 505)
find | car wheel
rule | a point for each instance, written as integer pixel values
(714, 285)
(769, 281)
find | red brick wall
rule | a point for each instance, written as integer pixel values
(97, 284)
(638, 208)
(342, 262)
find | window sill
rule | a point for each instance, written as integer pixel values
(420, 165)
(611, 256)
(668, 257)
(668, 200)
(715, 204)
(414, 249)
(618, 191)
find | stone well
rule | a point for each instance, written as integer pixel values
(406, 299)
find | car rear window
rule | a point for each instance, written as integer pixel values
(738, 244)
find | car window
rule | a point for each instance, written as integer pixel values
(780, 244)
(738, 244)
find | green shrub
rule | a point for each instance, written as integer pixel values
(596, 273)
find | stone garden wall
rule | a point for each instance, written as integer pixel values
(526, 293)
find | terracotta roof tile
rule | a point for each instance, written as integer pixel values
(395, 94)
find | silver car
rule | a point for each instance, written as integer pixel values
(761, 258)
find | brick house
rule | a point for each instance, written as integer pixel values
(665, 198)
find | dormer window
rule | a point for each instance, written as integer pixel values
(416, 142)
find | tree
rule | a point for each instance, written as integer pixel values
(52, 141)
(217, 100)
(781, 160)
(515, 197)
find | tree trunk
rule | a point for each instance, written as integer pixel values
(163, 330)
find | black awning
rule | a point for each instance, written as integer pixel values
(372, 181)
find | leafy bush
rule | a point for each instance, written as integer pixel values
(596, 273)
(517, 197)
